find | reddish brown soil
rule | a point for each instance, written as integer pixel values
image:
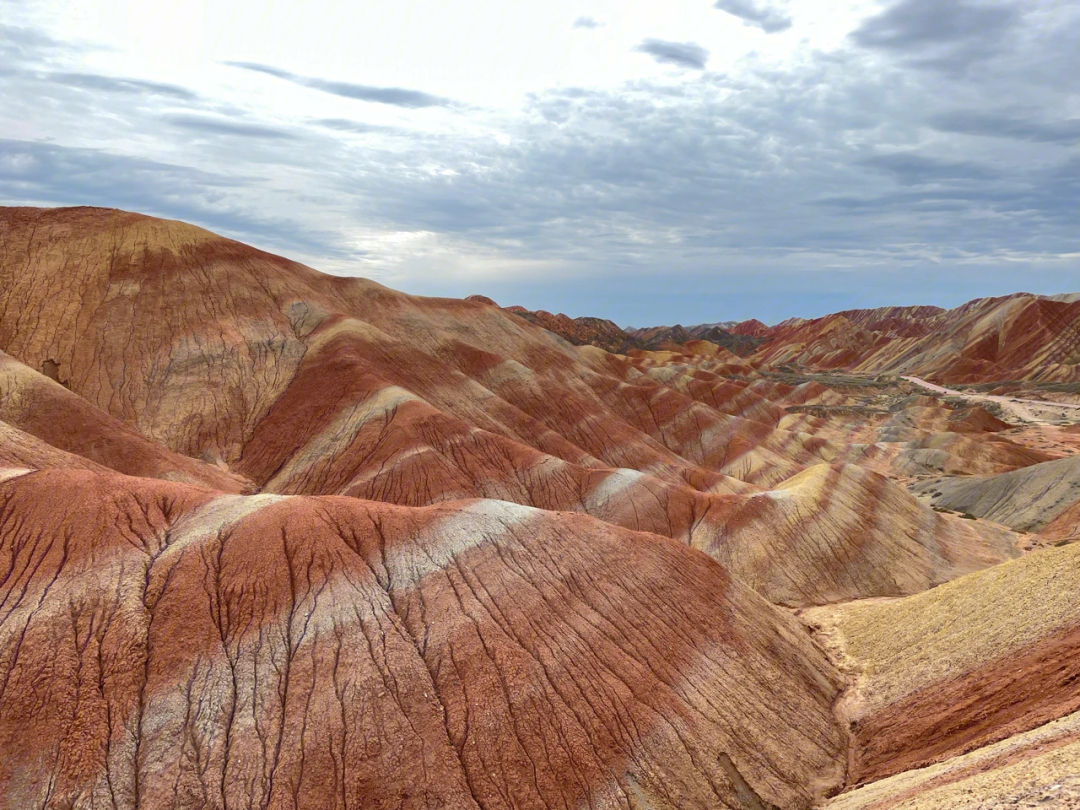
(171, 647)
(983, 706)
(473, 576)
(46, 410)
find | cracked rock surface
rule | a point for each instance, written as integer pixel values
(273, 539)
(171, 646)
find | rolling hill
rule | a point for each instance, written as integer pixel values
(274, 538)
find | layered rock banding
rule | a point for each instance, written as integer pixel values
(321, 543)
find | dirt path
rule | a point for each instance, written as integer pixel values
(1026, 410)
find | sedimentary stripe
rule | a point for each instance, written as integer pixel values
(324, 447)
(7, 473)
(439, 543)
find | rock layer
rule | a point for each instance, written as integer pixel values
(185, 648)
(969, 663)
(308, 384)
(270, 538)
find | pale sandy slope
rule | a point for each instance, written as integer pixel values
(960, 666)
(1036, 769)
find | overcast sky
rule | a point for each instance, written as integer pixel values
(688, 161)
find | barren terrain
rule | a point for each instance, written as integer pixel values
(272, 538)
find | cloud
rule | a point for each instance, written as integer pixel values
(45, 173)
(22, 44)
(992, 125)
(346, 125)
(39, 173)
(827, 171)
(586, 22)
(683, 54)
(50, 166)
(767, 19)
(911, 168)
(219, 126)
(635, 178)
(108, 84)
(396, 96)
(946, 34)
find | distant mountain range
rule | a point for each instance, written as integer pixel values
(1014, 337)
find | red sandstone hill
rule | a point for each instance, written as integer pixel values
(171, 646)
(308, 384)
(579, 331)
(750, 328)
(274, 538)
(604, 334)
(663, 337)
(741, 345)
(1018, 337)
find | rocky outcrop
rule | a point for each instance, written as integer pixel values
(738, 344)
(1028, 499)
(585, 331)
(274, 538)
(307, 384)
(661, 338)
(1018, 337)
(62, 420)
(174, 647)
(834, 531)
(967, 664)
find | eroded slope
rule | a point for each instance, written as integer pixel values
(473, 574)
(175, 647)
(307, 384)
(968, 663)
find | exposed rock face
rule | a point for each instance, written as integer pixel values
(1028, 499)
(1036, 769)
(584, 331)
(1019, 337)
(270, 538)
(604, 334)
(972, 662)
(659, 337)
(184, 648)
(162, 325)
(751, 328)
(742, 345)
(308, 384)
(674, 337)
(810, 540)
(32, 403)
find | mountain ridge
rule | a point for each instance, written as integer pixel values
(274, 537)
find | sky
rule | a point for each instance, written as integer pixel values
(691, 161)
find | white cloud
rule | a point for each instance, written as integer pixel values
(506, 144)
